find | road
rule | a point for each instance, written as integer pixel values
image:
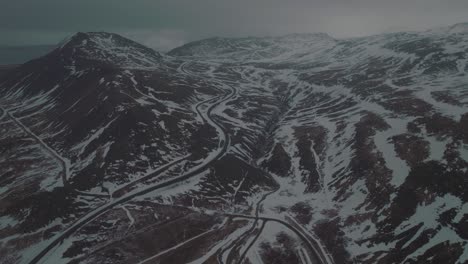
(311, 248)
(126, 188)
(62, 161)
(322, 253)
(237, 244)
(65, 164)
(257, 218)
(315, 251)
(104, 208)
(315, 248)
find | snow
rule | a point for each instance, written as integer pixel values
(107, 47)
(129, 215)
(56, 255)
(30, 252)
(424, 214)
(7, 221)
(359, 232)
(382, 140)
(95, 135)
(463, 150)
(50, 182)
(270, 232)
(450, 110)
(437, 147)
(162, 124)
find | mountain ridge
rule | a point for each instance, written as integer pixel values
(106, 48)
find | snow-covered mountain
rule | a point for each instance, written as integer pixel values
(292, 149)
(252, 49)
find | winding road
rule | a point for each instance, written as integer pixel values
(313, 247)
(104, 208)
(126, 188)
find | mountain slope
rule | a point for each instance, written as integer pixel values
(371, 131)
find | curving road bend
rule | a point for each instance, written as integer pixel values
(257, 218)
(224, 142)
(126, 188)
(314, 247)
(317, 254)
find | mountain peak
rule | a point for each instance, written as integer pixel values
(459, 28)
(247, 48)
(106, 48)
(81, 37)
(307, 36)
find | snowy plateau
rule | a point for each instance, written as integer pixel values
(293, 149)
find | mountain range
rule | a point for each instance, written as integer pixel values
(293, 149)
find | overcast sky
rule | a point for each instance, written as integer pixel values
(167, 24)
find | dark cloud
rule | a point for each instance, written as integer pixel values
(171, 22)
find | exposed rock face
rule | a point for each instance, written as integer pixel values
(280, 162)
